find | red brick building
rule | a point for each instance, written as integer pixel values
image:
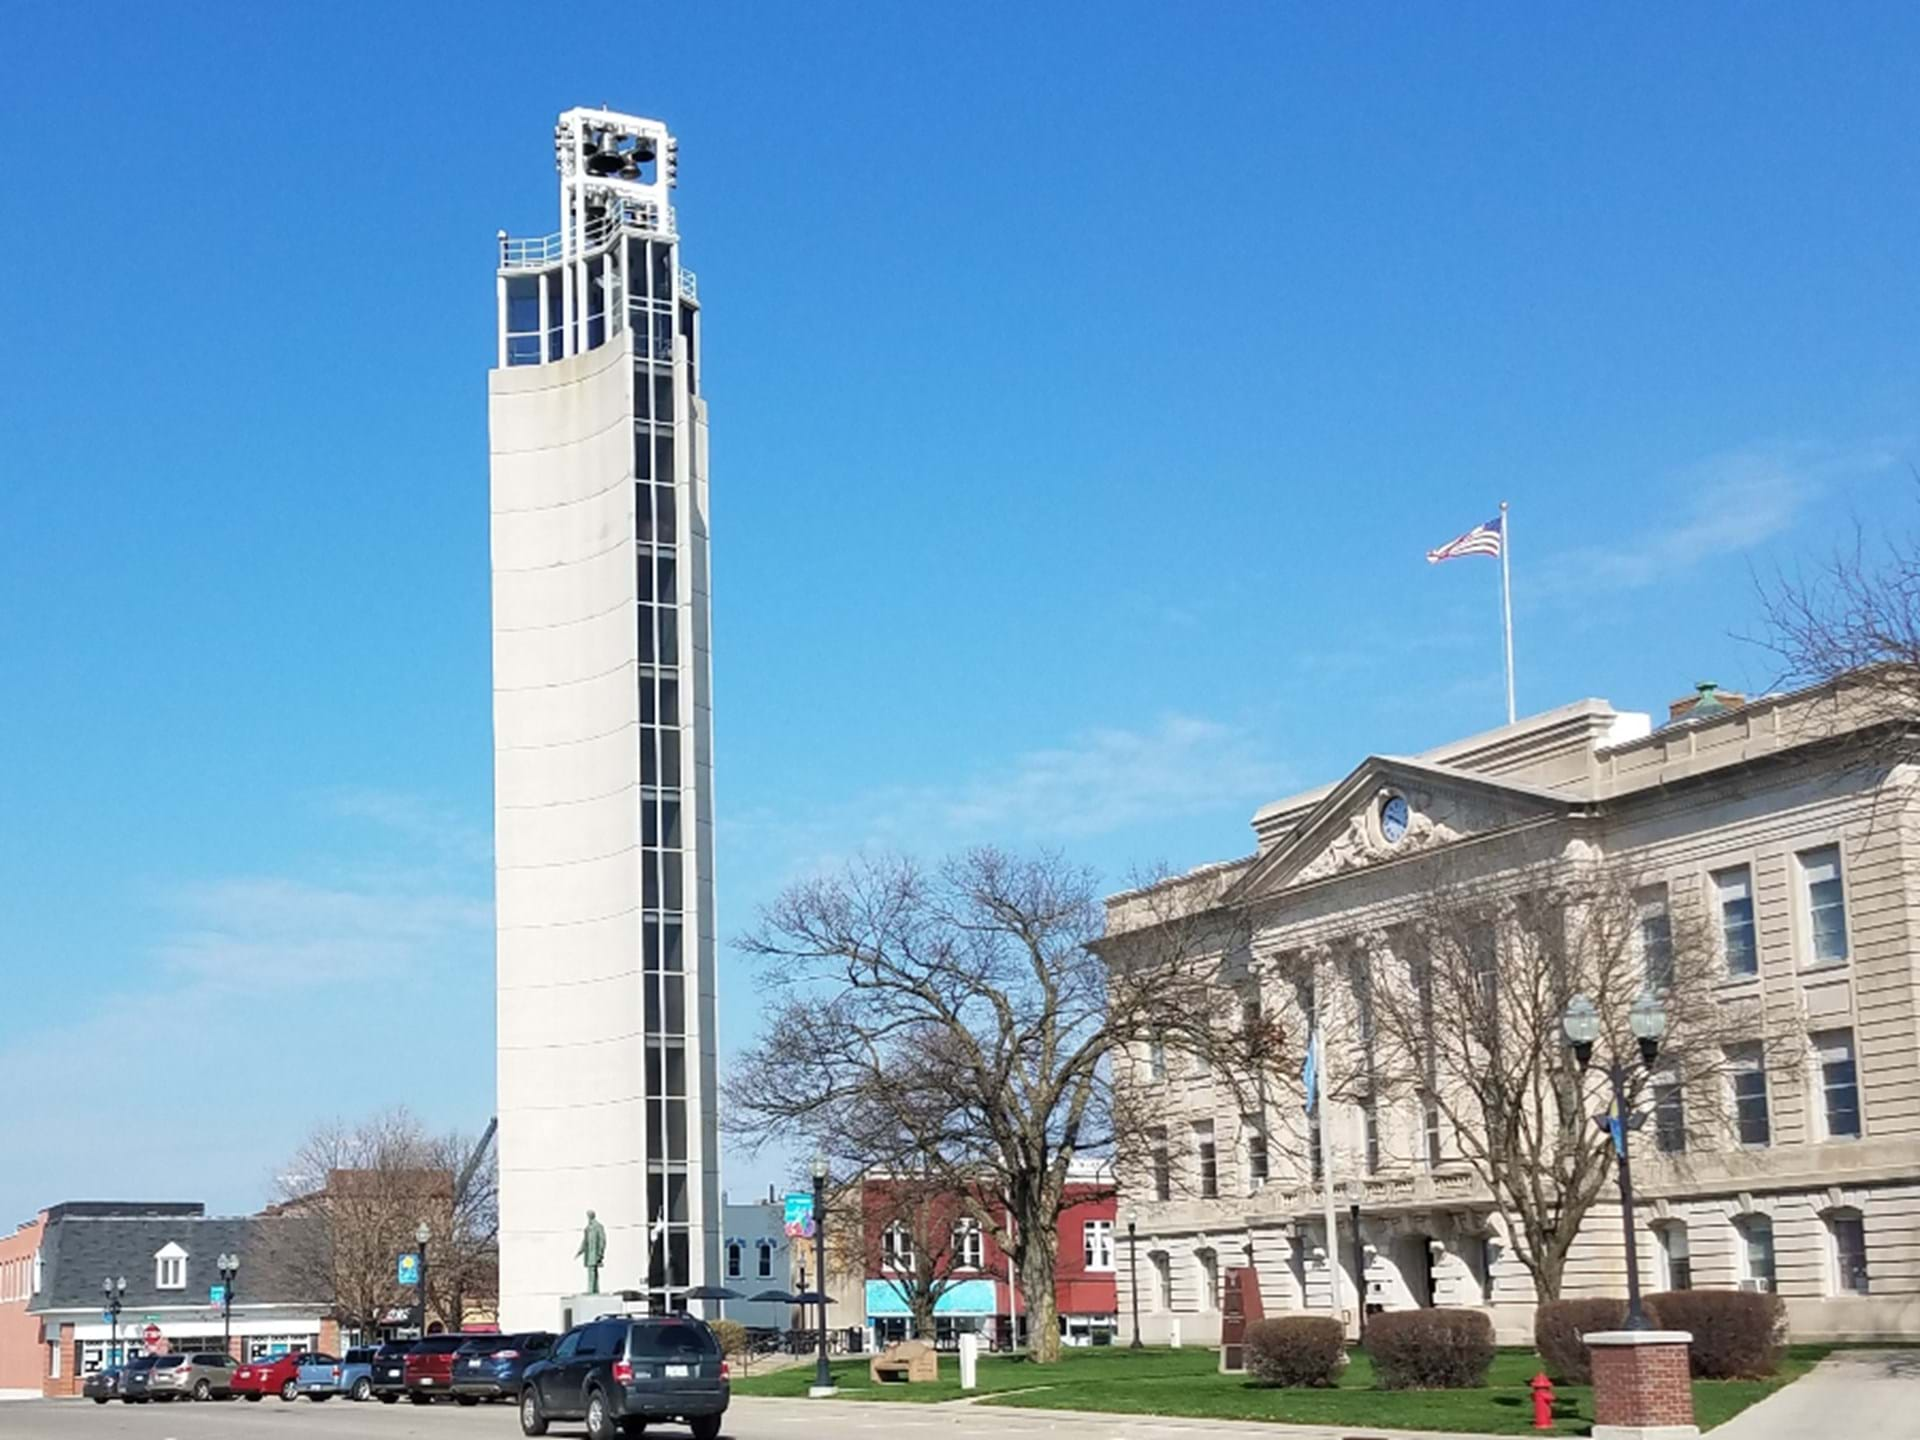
(916, 1240)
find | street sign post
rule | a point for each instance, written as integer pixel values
(217, 1295)
(151, 1338)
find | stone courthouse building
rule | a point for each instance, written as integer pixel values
(1794, 852)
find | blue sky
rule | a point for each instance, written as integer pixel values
(1088, 382)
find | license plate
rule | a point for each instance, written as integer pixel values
(427, 1380)
(678, 1372)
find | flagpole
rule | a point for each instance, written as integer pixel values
(1506, 602)
(1326, 1179)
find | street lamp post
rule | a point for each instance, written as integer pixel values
(113, 1294)
(822, 1372)
(422, 1233)
(1648, 1020)
(1133, 1272)
(229, 1268)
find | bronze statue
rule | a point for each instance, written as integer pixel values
(593, 1250)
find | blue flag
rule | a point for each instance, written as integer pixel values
(1310, 1072)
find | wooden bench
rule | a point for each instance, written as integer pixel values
(913, 1361)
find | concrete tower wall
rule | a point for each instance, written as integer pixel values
(571, 1088)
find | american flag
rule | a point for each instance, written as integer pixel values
(1480, 540)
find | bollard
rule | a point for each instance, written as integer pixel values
(969, 1360)
(1173, 1332)
(1542, 1389)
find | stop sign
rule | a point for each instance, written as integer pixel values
(151, 1335)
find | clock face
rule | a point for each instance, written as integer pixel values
(1393, 819)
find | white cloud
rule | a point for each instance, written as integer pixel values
(1723, 505)
(1097, 783)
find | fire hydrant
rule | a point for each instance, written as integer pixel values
(1542, 1389)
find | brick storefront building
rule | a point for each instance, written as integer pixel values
(54, 1329)
(912, 1238)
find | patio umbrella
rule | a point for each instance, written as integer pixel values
(714, 1292)
(776, 1297)
(813, 1297)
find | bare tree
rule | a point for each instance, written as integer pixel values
(1461, 1008)
(369, 1186)
(959, 1026)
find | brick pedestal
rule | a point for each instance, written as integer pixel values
(1642, 1385)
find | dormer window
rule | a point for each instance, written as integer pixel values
(170, 1268)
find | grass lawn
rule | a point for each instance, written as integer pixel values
(1186, 1382)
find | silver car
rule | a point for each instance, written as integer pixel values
(202, 1375)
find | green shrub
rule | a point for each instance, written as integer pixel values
(1296, 1350)
(1737, 1334)
(1558, 1326)
(1430, 1349)
(731, 1334)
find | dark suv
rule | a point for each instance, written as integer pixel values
(389, 1373)
(619, 1372)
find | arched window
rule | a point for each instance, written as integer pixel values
(765, 1247)
(1676, 1255)
(736, 1254)
(1847, 1244)
(1756, 1252)
(1162, 1280)
(1209, 1265)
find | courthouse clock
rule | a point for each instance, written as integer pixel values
(1393, 819)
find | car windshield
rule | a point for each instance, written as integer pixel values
(439, 1345)
(394, 1349)
(485, 1345)
(673, 1339)
(169, 1362)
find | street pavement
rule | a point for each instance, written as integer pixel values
(748, 1419)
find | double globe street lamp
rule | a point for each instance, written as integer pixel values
(113, 1294)
(1648, 1021)
(229, 1269)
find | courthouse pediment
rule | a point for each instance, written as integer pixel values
(1389, 809)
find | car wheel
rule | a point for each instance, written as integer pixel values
(389, 1399)
(467, 1399)
(255, 1396)
(421, 1399)
(533, 1419)
(202, 1390)
(99, 1399)
(319, 1397)
(290, 1392)
(634, 1425)
(599, 1421)
(705, 1427)
(362, 1389)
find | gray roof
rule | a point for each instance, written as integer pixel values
(79, 1251)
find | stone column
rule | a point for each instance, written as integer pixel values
(1642, 1385)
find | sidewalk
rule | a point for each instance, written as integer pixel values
(1850, 1395)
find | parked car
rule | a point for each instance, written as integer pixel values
(201, 1375)
(490, 1367)
(133, 1379)
(324, 1376)
(430, 1367)
(390, 1370)
(619, 1372)
(269, 1375)
(102, 1385)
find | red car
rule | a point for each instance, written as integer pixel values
(430, 1367)
(269, 1375)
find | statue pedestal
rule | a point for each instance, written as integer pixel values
(578, 1309)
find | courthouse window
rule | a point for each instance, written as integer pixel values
(1748, 1077)
(1756, 1252)
(1849, 1233)
(1826, 904)
(1656, 937)
(1839, 1083)
(1669, 1118)
(1207, 1159)
(1734, 892)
